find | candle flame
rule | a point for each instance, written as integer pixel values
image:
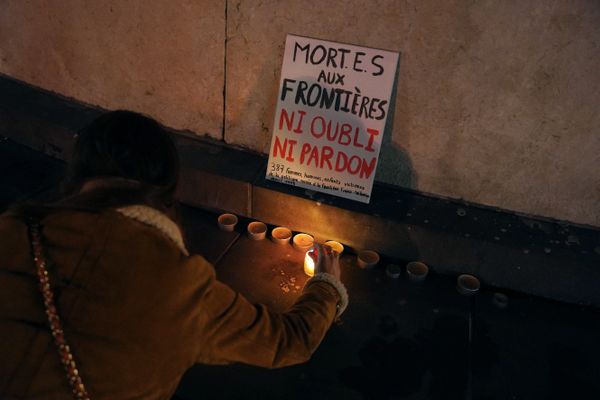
(309, 264)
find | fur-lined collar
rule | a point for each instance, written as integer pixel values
(152, 217)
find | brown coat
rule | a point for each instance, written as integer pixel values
(137, 310)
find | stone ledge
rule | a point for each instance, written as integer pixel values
(522, 253)
(537, 256)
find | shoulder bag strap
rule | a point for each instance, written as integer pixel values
(64, 351)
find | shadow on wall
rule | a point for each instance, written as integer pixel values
(395, 165)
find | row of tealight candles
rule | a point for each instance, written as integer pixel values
(416, 270)
(281, 235)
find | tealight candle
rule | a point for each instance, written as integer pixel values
(417, 271)
(367, 259)
(257, 230)
(393, 271)
(303, 242)
(335, 246)
(500, 300)
(281, 235)
(227, 222)
(467, 285)
(309, 264)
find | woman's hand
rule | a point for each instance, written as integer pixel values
(326, 260)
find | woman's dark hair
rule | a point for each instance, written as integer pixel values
(129, 147)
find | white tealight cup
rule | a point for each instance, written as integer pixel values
(281, 235)
(367, 259)
(257, 230)
(335, 246)
(500, 300)
(303, 242)
(227, 222)
(417, 271)
(467, 285)
(393, 271)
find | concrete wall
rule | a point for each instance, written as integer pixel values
(496, 100)
(147, 56)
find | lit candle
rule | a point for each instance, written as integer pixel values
(336, 246)
(309, 264)
(303, 242)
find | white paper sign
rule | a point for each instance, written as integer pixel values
(332, 106)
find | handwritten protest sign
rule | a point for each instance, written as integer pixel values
(332, 106)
